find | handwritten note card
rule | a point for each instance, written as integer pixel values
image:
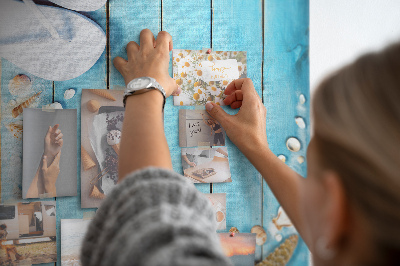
(203, 77)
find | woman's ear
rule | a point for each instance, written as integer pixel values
(336, 211)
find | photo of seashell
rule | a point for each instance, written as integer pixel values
(282, 254)
(20, 85)
(218, 202)
(281, 220)
(261, 235)
(20, 108)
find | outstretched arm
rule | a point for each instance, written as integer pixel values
(250, 121)
(143, 141)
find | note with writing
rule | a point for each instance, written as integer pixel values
(203, 77)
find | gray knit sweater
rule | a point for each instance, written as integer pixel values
(153, 217)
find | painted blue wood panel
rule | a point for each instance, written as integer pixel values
(189, 23)
(237, 26)
(94, 78)
(127, 19)
(286, 76)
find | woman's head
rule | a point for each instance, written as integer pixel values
(356, 116)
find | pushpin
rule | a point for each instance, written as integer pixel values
(232, 234)
(208, 51)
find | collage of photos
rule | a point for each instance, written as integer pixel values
(203, 76)
(102, 114)
(72, 234)
(206, 165)
(49, 153)
(28, 233)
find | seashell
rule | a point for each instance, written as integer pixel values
(282, 254)
(93, 106)
(20, 84)
(261, 235)
(52, 106)
(104, 94)
(300, 159)
(282, 158)
(15, 129)
(278, 237)
(293, 144)
(95, 193)
(234, 230)
(302, 99)
(12, 103)
(87, 161)
(281, 220)
(68, 94)
(20, 108)
(300, 122)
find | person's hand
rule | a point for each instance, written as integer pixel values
(50, 174)
(150, 59)
(192, 164)
(53, 142)
(247, 128)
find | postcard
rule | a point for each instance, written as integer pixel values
(72, 234)
(204, 76)
(102, 114)
(240, 248)
(28, 233)
(198, 128)
(206, 165)
(49, 153)
(218, 201)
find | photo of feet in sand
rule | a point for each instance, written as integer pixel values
(206, 165)
(28, 233)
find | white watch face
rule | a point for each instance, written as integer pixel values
(140, 83)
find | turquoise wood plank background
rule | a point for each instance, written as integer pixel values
(275, 35)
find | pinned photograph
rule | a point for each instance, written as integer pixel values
(102, 114)
(49, 153)
(206, 165)
(28, 233)
(72, 234)
(198, 128)
(204, 75)
(239, 248)
(218, 201)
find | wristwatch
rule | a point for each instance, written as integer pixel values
(143, 85)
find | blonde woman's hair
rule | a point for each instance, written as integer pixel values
(356, 114)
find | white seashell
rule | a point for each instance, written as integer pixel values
(261, 235)
(300, 122)
(300, 159)
(55, 105)
(293, 144)
(20, 84)
(278, 237)
(302, 99)
(68, 94)
(12, 103)
(281, 220)
(282, 158)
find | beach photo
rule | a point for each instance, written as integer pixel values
(218, 202)
(72, 233)
(206, 165)
(240, 248)
(28, 233)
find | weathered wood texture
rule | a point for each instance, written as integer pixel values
(275, 35)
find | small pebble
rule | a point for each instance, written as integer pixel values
(300, 159)
(293, 144)
(300, 122)
(278, 237)
(302, 99)
(68, 94)
(55, 105)
(282, 158)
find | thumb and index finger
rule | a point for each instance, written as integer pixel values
(241, 93)
(56, 161)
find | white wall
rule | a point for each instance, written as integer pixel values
(341, 30)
